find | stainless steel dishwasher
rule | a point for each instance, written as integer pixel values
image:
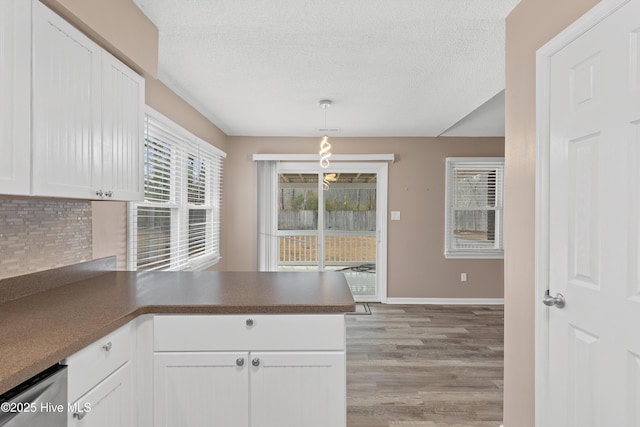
(38, 402)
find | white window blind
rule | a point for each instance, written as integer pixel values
(177, 227)
(474, 208)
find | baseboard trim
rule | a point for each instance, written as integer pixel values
(447, 301)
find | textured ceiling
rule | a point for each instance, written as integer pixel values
(391, 67)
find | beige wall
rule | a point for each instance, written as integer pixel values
(531, 24)
(416, 264)
(109, 231)
(165, 101)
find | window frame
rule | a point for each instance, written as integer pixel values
(482, 251)
(183, 145)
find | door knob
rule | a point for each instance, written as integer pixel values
(79, 415)
(240, 361)
(550, 301)
(255, 362)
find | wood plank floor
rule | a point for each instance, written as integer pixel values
(425, 366)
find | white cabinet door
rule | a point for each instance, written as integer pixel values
(122, 131)
(109, 404)
(193, 389)
(66, 108)
(293, 389)
(15, 95)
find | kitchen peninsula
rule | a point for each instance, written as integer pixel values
(172, 328)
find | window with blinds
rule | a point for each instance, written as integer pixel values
(474, 208)
(177, 227)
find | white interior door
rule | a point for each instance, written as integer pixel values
(589, 350)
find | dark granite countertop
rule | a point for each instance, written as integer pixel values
(40, 329)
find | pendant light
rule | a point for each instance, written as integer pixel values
(327, 179)
(325, 146)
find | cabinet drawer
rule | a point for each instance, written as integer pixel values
(249, 332)
(96, 361)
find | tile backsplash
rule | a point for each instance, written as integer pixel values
(39, 234)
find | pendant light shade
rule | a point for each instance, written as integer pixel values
(325, 152)
(325, 146)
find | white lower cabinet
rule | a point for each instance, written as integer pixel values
(109, 404)
(292, 389)
(257, 389)
(213, 371)
(268, 382)
(200, 389)
(100, 382)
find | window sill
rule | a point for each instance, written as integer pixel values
(474, 254)
(202, 263)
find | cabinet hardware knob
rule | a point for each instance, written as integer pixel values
(256, 361)
(240, 361)
(108, 194)
(107, 346)
(79, 415)
(249, 322)
(100, 193)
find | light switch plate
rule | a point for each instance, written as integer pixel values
(395, 215)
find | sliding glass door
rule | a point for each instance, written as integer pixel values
(333, 220)
(298, 222)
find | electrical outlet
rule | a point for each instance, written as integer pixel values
(463, 277)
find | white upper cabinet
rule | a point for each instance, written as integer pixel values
(122, 130)
(66, 109)
(83, 107)
(15, 93)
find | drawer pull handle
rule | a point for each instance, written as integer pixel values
(240, 361)
(249, 322)
(255, 362)
(79, 415)
(107, 346)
